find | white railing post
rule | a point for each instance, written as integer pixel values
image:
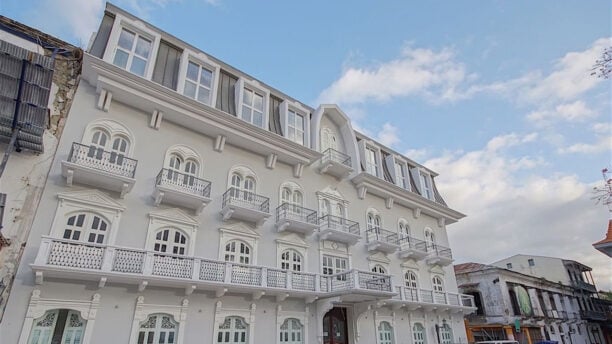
(264, 276)
(289, 281)
(228, 272)
(108, 258)
(195, 273)
(149, 260)
(355, 279)
(43, 251)
(317, 282)
(446, 300)
(419, 297)
(402, 293)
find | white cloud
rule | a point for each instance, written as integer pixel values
(388, 135)
(509, 140)
(601, 145)
(73, 18)
(417, 154)
(602, 128)
(531, 212)
(577, 111)
(416, 71)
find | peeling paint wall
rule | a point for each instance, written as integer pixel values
(26, 172)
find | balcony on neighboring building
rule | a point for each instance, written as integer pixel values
(593, 315)
(357, 286)
(294, 218)
(172, 187)
(339, 229)
(244, 205)
(439, 255)
(584, 286)
(417, 298)
(335, 163)
(412, 248)
(96, 167)
(381, 240)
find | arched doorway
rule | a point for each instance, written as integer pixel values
(335, 329)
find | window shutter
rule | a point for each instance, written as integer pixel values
(167, 65)
(101, 40)
(390, 165)
(416, 177)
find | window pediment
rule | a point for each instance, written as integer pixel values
(379, 257)
(410, 264)
(174, 215)
(240, 228)
(436, 269)
(292, 240)
(332, 193)
(91, 197)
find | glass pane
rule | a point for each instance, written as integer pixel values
(190, 89)
(143, 47)
(299, 123)
(246, 113)
(206, 77)
(247, 97)
(258, 119)
(138, 66)
(258, 102)
(126, 40)
(121, 58)
(203, 95)
(192, 71)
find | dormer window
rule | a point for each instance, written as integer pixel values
(400, 175)
(371, 161)
(426, 186)
(198, 83)
(132, 52)
(295, 127)
(294, 121)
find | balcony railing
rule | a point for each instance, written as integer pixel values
(332, 155)
(418, 295)
(96, 158)
(593, 315)
(245, 199)
(339, 224)
(382, 235)
(585, 286)
(287, 211)
(439, 251)
(408, 242)
(127, 263)
(183, 182)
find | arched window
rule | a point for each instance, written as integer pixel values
(233, 331)
(292, 332)
(119, 150)
(63, 324)
(292, 197)
(237, 251)
(404, 229)
(291, 260)
(385, 333)
(326, 208)
(446, 334)
(340, 211)
(99, 140)
(430, 238)
(379, 269)
(411, 280)
(170, 240)
(437, 284)
(158, 328)
(87, 227)
(418, 334)
(374, 222)
(328, 140)
(117, 146)
(242, 185)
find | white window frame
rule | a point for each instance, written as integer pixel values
(379, 259)
(87, 201)
(380, 318)
(379, 269)
(143, 310)
(406, 281)
(254, 86)
(441, 285)
(391, 333)
(158, 329)
(248, 315)
(238, 232)
(172, 218)
(334, 259)
(364, 147)
(298, 109)
(293, 188)
(282, 316)
(292, 242)
(87, 227)
(204, 61)
(403, 224)
(426, 180)
(449, 331)
(38, 306)
(114, 130)
(137, 27)
(240, 257)
(423, 331)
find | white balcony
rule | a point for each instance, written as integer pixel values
(438, 255)
(180, 189)
(429, 300)
(93, 166)
(246, 206)
(103, 264)
(382, 240)
(358, 286)
(293, 218)
(339, 229)
(412, 248)
(335, 163)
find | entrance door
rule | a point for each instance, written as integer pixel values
(335, 327)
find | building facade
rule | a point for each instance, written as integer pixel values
(38, 77)
(190, 203)
(568, 273)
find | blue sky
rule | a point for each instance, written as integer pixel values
(494, 95)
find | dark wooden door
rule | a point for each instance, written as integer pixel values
(335, 327)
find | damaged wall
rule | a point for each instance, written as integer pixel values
(26, 171)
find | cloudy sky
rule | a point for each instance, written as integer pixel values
(496, 96)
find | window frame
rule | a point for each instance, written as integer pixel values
(158, 329)
(289, 332)
(334, 259)
(390, 331)
(86, 230)
(143, 310)
(256, 87)
(410, 281)
(421, 331)
(426, 182)
(244, 258)
(437, 287)
(288, 106)
(203, 61)
(176, 219)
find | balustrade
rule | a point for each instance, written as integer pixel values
(332, 155)
(99, 159)
(288, 211)
(183, 182)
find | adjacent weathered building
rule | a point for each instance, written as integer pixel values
(191, 203)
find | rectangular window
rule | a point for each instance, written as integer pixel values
(333, 265)
(426, 183)
(509, 265)
(198, 83)
(400, 175)
(371, 162)
(531, 262)
(253, 107)
(132, 52)
(295, 127)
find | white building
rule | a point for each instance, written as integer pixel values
(190, 203)
(38, 77)
(569, 273)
